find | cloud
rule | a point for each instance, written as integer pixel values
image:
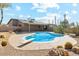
(68, 17)
(35, 5)
(49, 18)
(18, 8)
(41, 10)
(53, 15)
(44, 6)
(74, 12)
(21, 16)
(10, 14)
(6, 8)
(74, 4)
(66, 12)
(28, 16)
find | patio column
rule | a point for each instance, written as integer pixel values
(42, 27)
(29, 27)
(49, 25)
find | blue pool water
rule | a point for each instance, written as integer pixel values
(42, 37)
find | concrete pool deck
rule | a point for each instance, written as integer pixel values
(17, 39)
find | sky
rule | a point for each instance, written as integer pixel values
(43, 12)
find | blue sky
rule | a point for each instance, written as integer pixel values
(43, 12)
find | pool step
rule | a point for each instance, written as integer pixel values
(24, 44)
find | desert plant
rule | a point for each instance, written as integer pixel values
(59, 46)
(58, 52)
(68, 45)
(58, 29)
(75, 49)
(65, 53)
(2, 36)
(53, 52)
(4, 43)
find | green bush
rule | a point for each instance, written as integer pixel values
(68, 45)
(3, 43)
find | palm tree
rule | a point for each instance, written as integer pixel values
(2, 6)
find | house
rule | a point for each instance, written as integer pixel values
(29, 26)
(4, 28)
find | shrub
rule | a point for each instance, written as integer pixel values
(58, 30)
(3, 43)
(59, 46)
(68, 45)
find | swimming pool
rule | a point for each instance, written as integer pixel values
(42, 36)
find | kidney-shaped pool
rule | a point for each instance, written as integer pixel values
(42, 36)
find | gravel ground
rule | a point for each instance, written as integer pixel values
(10, 51)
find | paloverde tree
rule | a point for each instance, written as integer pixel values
(2, 6)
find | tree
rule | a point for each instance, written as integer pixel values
(31, 20)
(2, 6)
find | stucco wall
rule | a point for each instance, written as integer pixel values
(4, 28)
(14, 24)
